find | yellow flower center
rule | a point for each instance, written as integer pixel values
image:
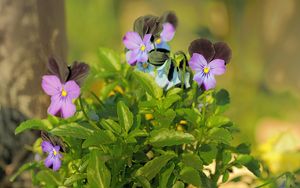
(145, 65)
(143, 48)
(206, 70)
(63, 93)
(158, 41)
(54, 152)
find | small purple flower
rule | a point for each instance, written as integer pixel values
(54, 157)
(62, 95)
(166, 35)
(204, 71)
(138, 47)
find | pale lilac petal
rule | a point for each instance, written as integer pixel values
(168, 32)
(55, 105)
(209, 82)
(72, 89)
(49, 160)
(51, 84)
(46, 146)
(217, 66)
(197, 62)
(198, 77)
(131, 56)
(57, 148)
(147, 38)
(68, 109)
(163, 45)
(132, 40)
(56, 163)
(142, 57)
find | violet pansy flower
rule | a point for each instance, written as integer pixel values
(62, 95)
(54, 157)
(138, 47)
(208, 60)
(166, 35)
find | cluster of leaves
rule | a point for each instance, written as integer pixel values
(135, 134)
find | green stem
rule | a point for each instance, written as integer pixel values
(85, 114)
(98, 100)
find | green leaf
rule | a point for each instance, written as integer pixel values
(170, 100)
(143, 181)
(174, 91)
(158, 57)
(192, 160)
(152, 168)
(165, 175)
(24, 167)
(73, 130)
(111, 125)
(191, 115)
(98, 138)
(178, 184)
(250, 162)
(147, 82)
(222, 97)
(108, 88)
(33, 124)
(125, 116)
(165, 137)
(220, 135)
(74, 178)
(98, 174)
(49, 177)
(109, 60)
(225, 176)
(243, 148)
(208, 152)
(165, 117)
(217, 121)
(190, 175)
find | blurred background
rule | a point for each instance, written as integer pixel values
(262, 77)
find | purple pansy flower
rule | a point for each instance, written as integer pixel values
(166, 35)
(208, 60)
(54, 157)
(62, 95)
(138, 47)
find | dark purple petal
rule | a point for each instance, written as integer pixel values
(217, 66)
(132, 40)
(209, 82)
(203, 47)
(198, 77)
(68, 109)
(168, 32)
(51, 84)
(131, 56)
(222, 51)
(55, 105)
(72, 89)
(49, 160)
(56, 163)
(79, 72)
(58, 68)
(197, 62)
(46, 146)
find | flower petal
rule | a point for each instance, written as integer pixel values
(56, 163)
(162, 80)
(46, 146)
(222, 51)
(57, 148)
(72, 89)
(49, 160)
(209, 82)
(168, 32)
(197, 62)
(163, 45)
(51, 84)
(175, 80)
(203, 47)
(55, 105)
(132, 40)
(142, 57)
(131, 56)
(199, 78)
(217, 67)
(68, 109)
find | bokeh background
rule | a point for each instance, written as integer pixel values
(262, 77)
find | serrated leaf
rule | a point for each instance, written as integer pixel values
(98, 174)
(73, 130)
(109, 60)
(98, 138)
(165, 137)
(148, 83)
(125, 116)
(190, 175)
(192, 160)
(33, 124)
(153, 167)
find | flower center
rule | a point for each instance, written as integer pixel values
(63, 93)
(145, 65)
(143, 48)
(54, 152)
(158, 41)
(206, 70)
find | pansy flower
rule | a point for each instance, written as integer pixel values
(166, 35)
(54, 157)
(208, 60)
(145, 67)
(62, 95)
(167, 76)
(138, 47)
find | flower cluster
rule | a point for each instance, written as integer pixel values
(149, 51)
